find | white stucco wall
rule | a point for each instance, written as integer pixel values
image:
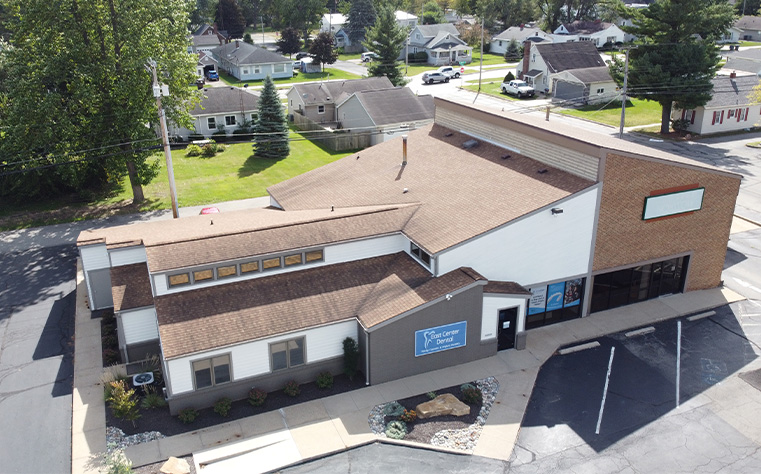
(493, 303)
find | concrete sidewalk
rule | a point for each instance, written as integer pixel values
(335, 423)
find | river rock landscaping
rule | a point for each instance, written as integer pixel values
(448, 431)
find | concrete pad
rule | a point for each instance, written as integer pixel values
(514, 360)
(85, 444)
(695, 301)
(367, 397)
(394, 390)
(179, 446)
(85, 397)
(339, 404)
(143, 453)
(87, 329)
(419, 384)
(255, 455)
(303, 413)
(87, 378)
(317, 438)
(86, 465)
(88, 419)
(497, 442)
(353, 428)
(220, 434)
(261, 424)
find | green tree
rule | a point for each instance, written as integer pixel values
(289, 41)
(123, 402)
(432, 14)
(361, 17)
(230, 17)
(304, 15)
(270, 129)
(508, 12)
(248, 39)
(351, 357)
(386, 39)
(748, 7)
(202, 13)
(677, 56)
(75, 116)
(322, 49)
(513, 51)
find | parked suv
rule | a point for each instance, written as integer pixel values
(369, 56)
(449, 71)
(212, 75)
(434, 76)
(517, 88)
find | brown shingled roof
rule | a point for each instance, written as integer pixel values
(207, 318)
(131, 287)
(462, 193)
(506, 288)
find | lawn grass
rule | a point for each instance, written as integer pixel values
(348, 56)
(749, 43)
(492, 87)
(327, 74)
(638, 112)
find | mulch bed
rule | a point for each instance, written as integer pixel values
(159, 419)
(422, 430)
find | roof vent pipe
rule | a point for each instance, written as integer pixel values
(404, 150)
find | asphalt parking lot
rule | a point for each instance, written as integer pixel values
(574, 423)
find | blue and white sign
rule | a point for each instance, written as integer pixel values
(538, 300)
(440, 338)
(555, 296)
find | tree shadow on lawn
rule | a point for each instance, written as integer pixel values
(254, 165)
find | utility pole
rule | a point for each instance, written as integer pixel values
(261, 19)
(623, 96)
(158, 91)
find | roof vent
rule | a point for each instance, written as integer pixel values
(470, 144)
(504, 157)
(448, 134)
(542, 171)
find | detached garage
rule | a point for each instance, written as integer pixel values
(589, 85)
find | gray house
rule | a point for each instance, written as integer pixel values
(520, 34)
(221, 109)
(590, 85)
(541, 61)
(750, 27)
(317, 101)
(441, 42)
(247, 62)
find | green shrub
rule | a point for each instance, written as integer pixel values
(408, 416)
(680, 125)
(508, 77)
(193, 150)
(116, 461)
(256, 397)
(152, 399)
(292, 389)
(325, 380)
(351, 357)
(123, 402)
(396, 429)
(393, 409)
(472, 396)
(111, 356)
(109, 340)
(188, 415)
(431, 395)
(222, 406)
(209, 150)
(466, 386)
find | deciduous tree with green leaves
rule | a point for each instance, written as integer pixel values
(386, 39)
(271, 128)
(229, 16)
(74, 117)
(289, 41)
(432, 14)
(322, 49)
(361, 17)
(677, 56)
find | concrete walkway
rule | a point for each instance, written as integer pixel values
(335, 423)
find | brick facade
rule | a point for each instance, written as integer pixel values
(624, 239)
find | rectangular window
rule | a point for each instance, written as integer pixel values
(420, 253)
(731, 114)
(249, 267)
(287, 354)
(211, 122)
(229, 120)
(257, 69)
(271, 263)
(202, 275)
(600, 90)
(320, 109)
(179, 279)
(276, 68)
(314, 256)
(210, 372)
(294, 259)
(245, 71)
(227, 271)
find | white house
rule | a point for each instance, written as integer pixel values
(441, 43)
(541, 61)
(590, 85)
(520, 34)
(403, 19)
(247, 62)
(222, 109)
(332, 22)
(597, 32)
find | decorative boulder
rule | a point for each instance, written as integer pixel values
(446, 404)
(175, 465)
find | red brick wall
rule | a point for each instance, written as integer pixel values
(623, 238)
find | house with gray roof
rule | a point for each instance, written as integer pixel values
(590, 85)
(732, 106)
(247, 62)
(520, 34)
(541, 61)
(440, 42)
(444, 246)
(596, 32)
(750, 27)
(317, 101)
(222, 109)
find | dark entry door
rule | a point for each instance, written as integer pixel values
(508, 319)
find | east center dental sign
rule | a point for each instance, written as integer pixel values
(440, 338)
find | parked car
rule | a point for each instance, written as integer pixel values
(434, 76)
(369, 56)
(517, 88)
(297, 64)
(301, 54)
(449, 71)
(212, 75)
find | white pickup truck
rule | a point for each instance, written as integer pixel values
(517, 88)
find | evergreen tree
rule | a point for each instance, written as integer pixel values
(386, 39)
(322, 49)
(248, 39)
(677, 56)
(361, 17)
(289, 41)
(230, 17)
(513, 51)
(270, 129)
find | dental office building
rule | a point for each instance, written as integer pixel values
(432, 252)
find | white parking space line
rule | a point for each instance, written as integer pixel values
(605, 390)
(678, 358)
(580, 347)
(695, 317)
(640, 332)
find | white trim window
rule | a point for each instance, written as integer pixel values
(257, 69)
(278, 68)
(212, 371)
(287, 354)
(211, 123)
(230, 120)
(245, 71)
(320, 109)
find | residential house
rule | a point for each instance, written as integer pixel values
(750, 28)
(432, 250)
(441, 42)
(222, 109)
(384, 113)
(247, 62)
(597, 32)
(205, 43)
(591, 85)
(403, 19)
(731, 108)
(332, 22)
(206, 62)
(733, 35)
(520, 34)
(211, 30)
(317, 101)
(542, 60)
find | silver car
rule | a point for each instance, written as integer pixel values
(435, 76)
